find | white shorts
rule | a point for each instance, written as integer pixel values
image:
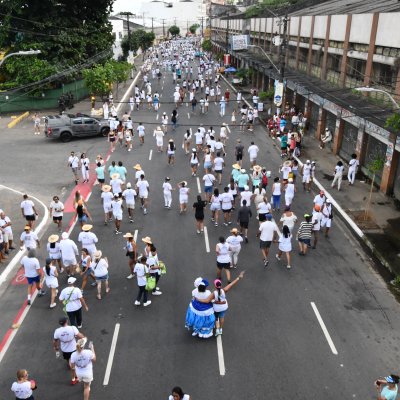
(7, 237)
(87, 378)
(253, 159)
(141, 134)
(306, 178)
(144, 196)
(130, 205)
(215, 207)
(326, 222)
(107, 208)
(69, 263)
(118, 216)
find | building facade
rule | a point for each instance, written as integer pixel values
(327, 57)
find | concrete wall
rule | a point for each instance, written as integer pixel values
(305, 26)
(361, 28)
(320, 27)
(388, 34)
(294, 26)
(338, 28)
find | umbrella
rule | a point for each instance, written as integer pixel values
(231, 69)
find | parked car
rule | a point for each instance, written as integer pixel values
(67, 126)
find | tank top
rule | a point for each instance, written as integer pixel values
(223, 253)
(220, 297)
(276, 189)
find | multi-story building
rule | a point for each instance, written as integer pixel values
(332, 49)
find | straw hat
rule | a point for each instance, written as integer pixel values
(128, 235)
(137, 167)
(184, 183)
(97, 254)
(234, 230)
(147, 240)
(236, 166)
(87, 227)
(115, 176)
(171, 140)
(287, 163)
(27, 227)
(53, 238)
(106, 188)
(257, 168)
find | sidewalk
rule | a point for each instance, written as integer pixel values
(381, 233)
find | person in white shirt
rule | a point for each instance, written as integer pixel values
(316, 221)
(353, 166)
(167, 191)
(88, 239)
(73, 301)
(235, 244)
(327, 216)
(141, 132)
(141, 270)
(106, 197)
(69, 252)
(326, 138)
(227, 202)
(142, 187)
(219, 164)
(177, 394)
(320, 199)
(129, 195)
(5, 226)
(139, 172)
(306, 172)
(116, 183)
(116, 206)
(23, 388)
(50, 277)
(29, 239)
(28, 211)
(82, 360)
(99, 266)
(246, 195)
(159, 135)
(267, 233)
(290, 190)
(253, 151)
(73, 163)
(84, 163)
(32, 272)
(56, 209)
(338, 175)
(64, 339)
(199, 136)
(183, 196)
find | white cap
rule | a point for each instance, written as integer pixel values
(71, 280)
(246, 187)
(243, 171)
(128, 185)
(308, 161)
(64, 235)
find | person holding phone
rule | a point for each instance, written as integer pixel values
(23, 388)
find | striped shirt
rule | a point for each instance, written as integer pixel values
(305, 229)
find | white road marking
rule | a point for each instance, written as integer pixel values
(157, 117)
(188, 115)
(160, 95)
(187, 104)
(162, 87)
(323, 327)
(206, 240)
(228, 129)
(135, 235)
(220, 350)
(128, 91)
(38, 229)
(111, 355)
(15, 331)
(198, 185)
(150, 155)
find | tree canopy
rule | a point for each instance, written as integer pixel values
(138, 39)
(174, 30)
(68, 33)
(193, 28)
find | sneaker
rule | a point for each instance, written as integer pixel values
(148, 302)
(74, 381)
(216, 224)
(29, 302)
(157, 288)
(220, 331)
(212, 219)
(94, 284)
(225, 224)
(80, 326)
(137, 303)
(277, 257)
(217, 332)
(130, 276)
(41, 293)
(266, 262)
(131, 221)
(198, 231)
(288, 267)
(157, 293)
(144, 211)
(230, 223)
(246, 239)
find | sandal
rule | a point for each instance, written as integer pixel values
(99, 296)
(108, 290)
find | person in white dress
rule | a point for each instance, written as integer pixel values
(183, 196)
(285, 245)
(50, 277)
(288, 218)
(84, 163)
(353, 166)
(338, 175)
(177, 394)
(235, 244)
(159, 135)
(290, 190)
(167, 192)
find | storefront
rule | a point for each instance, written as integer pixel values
(349, 141)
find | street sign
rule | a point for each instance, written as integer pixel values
(278, 94)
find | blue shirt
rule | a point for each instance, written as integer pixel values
(242, 180)
(389, 394)
(122, 172)
(100, 172)
(235, 174)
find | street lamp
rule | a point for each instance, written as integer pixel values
(20, 53)
(370, 89)
(266, 55)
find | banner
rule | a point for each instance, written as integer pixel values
(278, 94)
(239, 42)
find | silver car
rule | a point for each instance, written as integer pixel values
(67, 126)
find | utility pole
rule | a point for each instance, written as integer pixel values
(202, 21)
(152, 26)
(227, 35)
(175, 21)
(187, 26)
(282, 55)
(128, 14)
(163, 27)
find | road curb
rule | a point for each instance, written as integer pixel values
(18, 119)
(344, 216)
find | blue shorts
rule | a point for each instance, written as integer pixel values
(84, 218)
(305, 241)
(102, 278)
(220, 314)
(207, 165)
(208, 189)
(31, 281)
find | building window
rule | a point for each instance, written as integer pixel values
(383, 74)
(356, 69)
(334, 62)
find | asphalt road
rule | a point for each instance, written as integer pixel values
(273, 344)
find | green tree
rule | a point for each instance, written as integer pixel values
(206, 45)
(138, 39)
(373, 167)
(174, 30)
(193, 28)
(393, 123)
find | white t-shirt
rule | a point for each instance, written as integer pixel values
(141, 130)
(73, 161)
(289, 191)
(23, 390)
(246, 195)
(116, 206)
(264, 208)
(107, 198)
(73, 295)
(29, 239)
(31, 266)
(68, 249)
(339, 169)
(57, 208)
(226, 201)
(199, 137)
(87, 238)
(167, 188)
(140, 270)
(116, 185)
(220, 297)
(353, 164)
(208, 179)
(253, 151)
(143, 187)
(319, 200)
(267, 229)
(234, 240)
(185, 397)
(66, 335)
(27, 206)
(100, 268)
(317, 217)
(218, 163)
(129, 195)
(223, 256)
(83, 362)
(4, 221)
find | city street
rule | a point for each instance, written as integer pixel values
(327, 328)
